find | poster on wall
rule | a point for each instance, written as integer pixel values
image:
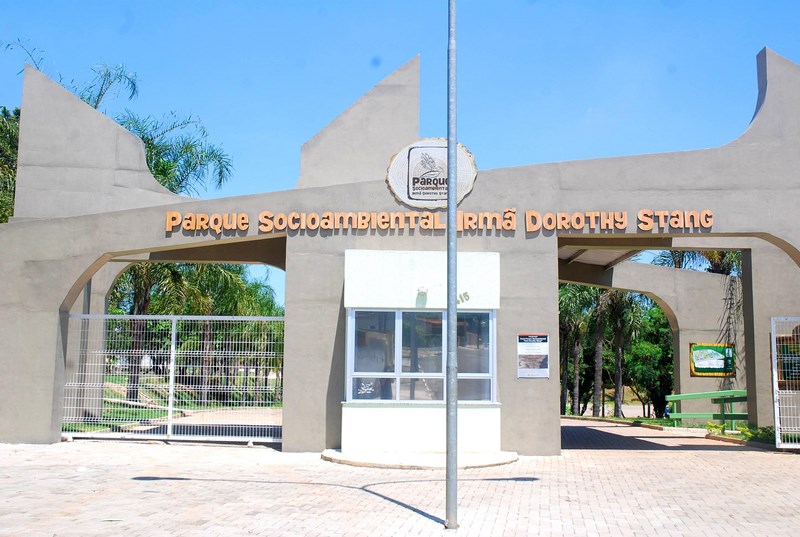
(533, 360)
(712, 359)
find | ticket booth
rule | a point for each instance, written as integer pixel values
(395, 389)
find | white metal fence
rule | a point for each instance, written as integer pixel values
(174, 377)
(786, 380)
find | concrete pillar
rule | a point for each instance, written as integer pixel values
(314, 364)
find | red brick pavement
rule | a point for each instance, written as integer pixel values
(612, 480)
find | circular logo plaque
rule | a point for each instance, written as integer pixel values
(417, 175)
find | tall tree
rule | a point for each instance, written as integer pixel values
(574, 303)
(107, 81)
(624, 317)
(723, 261)
(599, 318)
(224, 289)
(133, 293)
(650, 362)
(682, 259)
(9, 142)
(181, 158)
(178, 152)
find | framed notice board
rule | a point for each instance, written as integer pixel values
(712, 359)
(533, 360)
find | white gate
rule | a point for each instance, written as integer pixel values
(786, 380)
(174, 377)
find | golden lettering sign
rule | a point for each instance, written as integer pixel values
(647, 220)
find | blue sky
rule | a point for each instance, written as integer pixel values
(539, 81)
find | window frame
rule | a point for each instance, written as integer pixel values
(398, 374)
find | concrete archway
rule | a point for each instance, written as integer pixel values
(85, 198)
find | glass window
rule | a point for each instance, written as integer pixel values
(474, 389)
(409, 366)
(374, 344)
(373, 388)
(474, 354)
(423, 389)
(422, 342)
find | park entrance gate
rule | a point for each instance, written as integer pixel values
(786, 380)
(174, 377)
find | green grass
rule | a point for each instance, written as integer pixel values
(154, 392)
(116, 379)
(83, 427)
(664, 422)
(115, 416)
(117, 413)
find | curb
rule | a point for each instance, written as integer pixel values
(335, 456)
(709, 436)
(619, 422)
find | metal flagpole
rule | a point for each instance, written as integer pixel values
(451, 519)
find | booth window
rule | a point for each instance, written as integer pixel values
(400, 355)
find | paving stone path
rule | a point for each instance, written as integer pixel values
(610, 480)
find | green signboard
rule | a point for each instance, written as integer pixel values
(712, 359)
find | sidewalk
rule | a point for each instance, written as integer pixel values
(614, 480)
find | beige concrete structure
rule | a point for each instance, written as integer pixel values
(85, 200)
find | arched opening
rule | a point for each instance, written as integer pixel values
(183, 344)
(691, 308)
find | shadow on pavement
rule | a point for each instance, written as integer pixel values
(364, 488)
(591, 436)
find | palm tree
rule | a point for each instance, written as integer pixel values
(181, 159)
(599, 319)
(133, 293)
(723, 261)
(574, 302)
(107, 81)
(624, 314)
(223, 289)
(214, 290)
(178, 152)
(682, 259)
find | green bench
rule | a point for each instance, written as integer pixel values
(726, 399)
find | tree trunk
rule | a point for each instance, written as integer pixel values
(577, 352)
(205, 370)
(564, 378)
(227, 366)
(135, 359)
(261, 381)
(659, 404)
(597, 398)
(618, 389)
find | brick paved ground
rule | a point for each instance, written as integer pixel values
(611, 480)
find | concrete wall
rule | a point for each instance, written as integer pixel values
(75, 161)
